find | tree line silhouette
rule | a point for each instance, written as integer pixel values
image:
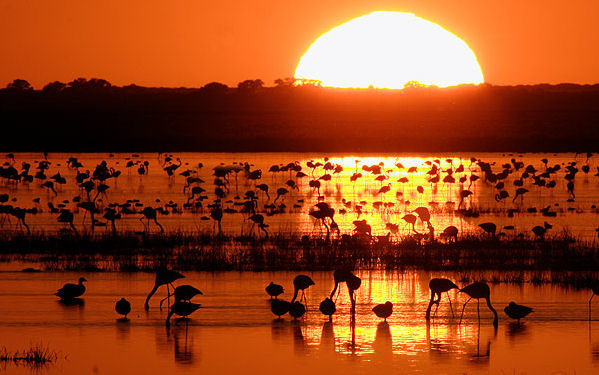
(94, 115)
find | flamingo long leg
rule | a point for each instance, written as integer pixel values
(464, 308)
(450, 307)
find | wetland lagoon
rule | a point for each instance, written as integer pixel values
(526, 224)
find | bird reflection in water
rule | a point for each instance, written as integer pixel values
(72, 302)
(515, 329)
(382, 339)
(481, 356)
(279, 329)
(327, 337)
(123, 329)
(439, 348)
(299, 343)
(593, 346)
(184, 353)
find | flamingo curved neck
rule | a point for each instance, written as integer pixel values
(147, 304)
(334, 289)
(294, 295)
(493, 310)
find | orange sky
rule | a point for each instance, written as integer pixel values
(192, 42)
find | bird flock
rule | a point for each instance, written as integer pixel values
(370, 200)
(297, 306)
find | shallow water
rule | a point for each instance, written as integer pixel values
(157, 189)
(234, 331)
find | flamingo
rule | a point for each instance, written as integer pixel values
(301, 282)
(150, 213)
(184, 293)
(163, 277)
(479, 290)
(183, 309)
(437, 287)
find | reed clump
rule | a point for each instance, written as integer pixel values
(37, 355)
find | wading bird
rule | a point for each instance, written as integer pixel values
(183, 309)
(163, 277)
(437, 287)
(479, 290)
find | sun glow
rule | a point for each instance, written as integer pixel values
(388, 50)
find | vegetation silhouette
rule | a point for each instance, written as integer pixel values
(297, 117)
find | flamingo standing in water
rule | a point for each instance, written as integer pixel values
(479, 290)
(183, 309)
(437, 287)
(164, 277)
(301, 282)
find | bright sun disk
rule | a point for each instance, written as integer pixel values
(387, 50)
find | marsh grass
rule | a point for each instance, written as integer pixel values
(37, 355)
(132, 252)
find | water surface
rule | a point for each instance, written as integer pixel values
(235, 332)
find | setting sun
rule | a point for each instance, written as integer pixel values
(387, 50)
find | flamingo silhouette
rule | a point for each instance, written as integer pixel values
(479, 290)
(183, 293)
(437, 287)
(301, 282)
(163, 277)
(149, 213)
(183, 309)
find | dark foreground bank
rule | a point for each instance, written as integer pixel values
(85, 116)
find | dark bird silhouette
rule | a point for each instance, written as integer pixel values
(353, 284)
(69, 291)
(184, 293)
(297, 310)
(123, 307)
(515, 311)
(274, 290)
(164, 277)
(340, 276)
(149, 213)
(327, 307)
(490, 228)
(383, 310)
(279, 307)
(437, 287)
(595, 290)
(451, 232)
(301, 282)
(183, 309)
(479, 290)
